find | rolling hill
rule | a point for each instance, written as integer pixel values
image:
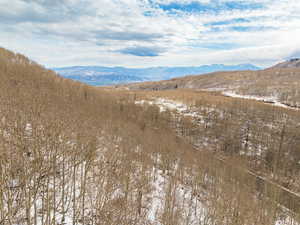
(279, 83)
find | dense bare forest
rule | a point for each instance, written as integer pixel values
(75, 154)
(266, 137)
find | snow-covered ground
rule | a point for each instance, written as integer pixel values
(167, 104)
(183, 200)
(269, 100)
(185, 110)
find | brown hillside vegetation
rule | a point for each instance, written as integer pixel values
(280, 83)
(265, 136)
(75, 154)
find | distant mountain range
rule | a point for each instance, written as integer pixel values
(100, 76)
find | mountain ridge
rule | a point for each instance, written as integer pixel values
(100, 75)
(291, 63)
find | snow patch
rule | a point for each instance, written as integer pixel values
(167, 104)
(268, 100)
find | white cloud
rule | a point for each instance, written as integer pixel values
(77, 32)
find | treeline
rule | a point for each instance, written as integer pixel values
(74, 154)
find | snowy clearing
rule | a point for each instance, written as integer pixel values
(268, 100)
(167, 104)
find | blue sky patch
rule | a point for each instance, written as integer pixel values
(212, 7)
(141, 51)
(148, 13)
(226, 22)
(249, 28)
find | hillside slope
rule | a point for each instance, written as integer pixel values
(275, 83)
(75, 154)
(292, 63)
(72, 154)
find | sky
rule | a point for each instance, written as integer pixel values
(144, 33)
